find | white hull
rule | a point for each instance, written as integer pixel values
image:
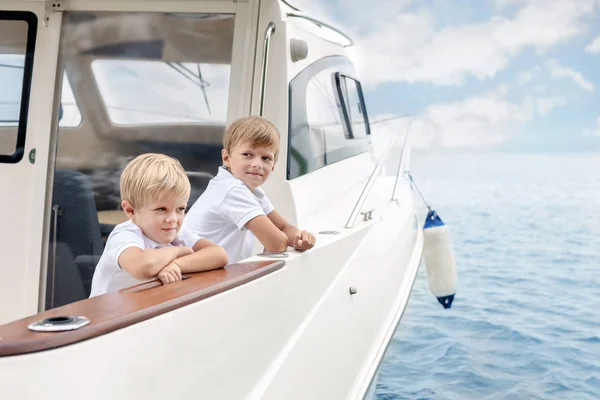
(295, 334)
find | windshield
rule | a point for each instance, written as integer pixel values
(150, 92)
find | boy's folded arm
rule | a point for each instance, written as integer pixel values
(289, 230)
(297, 238)
(206, 256)
(145, 264)
(268, 233)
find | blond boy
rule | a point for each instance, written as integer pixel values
(154, 193)
(234, 209)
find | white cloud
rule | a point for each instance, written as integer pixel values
(479, 122)
(595, 131)
(407, 47)
(558, 71)
(545, 105)
(474, 123)
(524, 77)
(501, 4)
(593, 47)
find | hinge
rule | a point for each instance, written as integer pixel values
(56, 5)
(52, 7)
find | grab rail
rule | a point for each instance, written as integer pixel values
(367, 189)
(55, 214)
(263, 76)
(325, 24)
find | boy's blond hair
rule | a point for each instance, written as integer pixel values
(150, 176)
(257, 131)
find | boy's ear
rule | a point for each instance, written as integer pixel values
(128, 208)
(225, 157)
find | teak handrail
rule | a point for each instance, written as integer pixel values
(113, 311)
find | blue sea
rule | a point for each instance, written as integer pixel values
(525, 323)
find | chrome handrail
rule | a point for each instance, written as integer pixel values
(289, 5)
(263, 77)
(370, 183)
(321, 23)
(56, 214)
(403, 157)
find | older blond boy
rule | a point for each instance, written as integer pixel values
(154, 193)
(234, 209)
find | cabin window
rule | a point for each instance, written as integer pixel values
(185, 92)
(17, 45)
(328, 120)
(352, 106)
(135, 83)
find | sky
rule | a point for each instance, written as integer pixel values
(480, 75)
(493, 75)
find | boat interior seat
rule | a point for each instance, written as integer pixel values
(105, 184)
(77, 236)
(199, 184)
(75, 239)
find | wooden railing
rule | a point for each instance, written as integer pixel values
(113, 311)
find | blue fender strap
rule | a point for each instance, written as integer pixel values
(446, 301)
(432, 220)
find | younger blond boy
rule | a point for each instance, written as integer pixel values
(233, 209)
(154, 193)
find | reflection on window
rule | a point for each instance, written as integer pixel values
(11, 78)
(145, 92)
(11, 81)
(140, 83)
(317, 129)
(13, 44)
(352, 107)
(323, 117)
(70, 116)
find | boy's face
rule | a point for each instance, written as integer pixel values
(252, 165)
(161, 219)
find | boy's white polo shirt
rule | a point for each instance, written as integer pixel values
(108, 276)
(222, 211)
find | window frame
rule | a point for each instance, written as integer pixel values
(344, 107)
(297, 116)
(32, 21)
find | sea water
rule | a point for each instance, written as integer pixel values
(525, 323)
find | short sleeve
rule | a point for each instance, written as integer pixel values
(240, 206)
(263, 200)
(189, 238)
(266, 205)
(121, 241)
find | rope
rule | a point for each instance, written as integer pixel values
(412, 182)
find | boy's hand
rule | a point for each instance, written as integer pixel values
(303, 240)
(184, 251)
(170, 274)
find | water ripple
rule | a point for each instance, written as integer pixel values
(525, 323)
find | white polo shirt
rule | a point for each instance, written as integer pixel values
(222, 211)
(108, 276)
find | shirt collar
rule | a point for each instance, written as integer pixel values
(155, 245)
(224, 174)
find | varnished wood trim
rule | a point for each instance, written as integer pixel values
(113, 311)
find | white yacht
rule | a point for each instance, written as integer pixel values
(86, 85)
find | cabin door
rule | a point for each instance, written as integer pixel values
(29, 37)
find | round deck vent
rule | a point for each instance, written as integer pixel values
(59, 324)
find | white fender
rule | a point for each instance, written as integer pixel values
(439, 259)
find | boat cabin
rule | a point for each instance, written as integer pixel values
(89, 84)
